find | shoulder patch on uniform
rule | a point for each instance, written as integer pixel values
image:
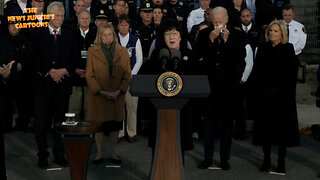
(304, 30)
(165, 11)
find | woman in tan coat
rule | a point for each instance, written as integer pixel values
(108, 76)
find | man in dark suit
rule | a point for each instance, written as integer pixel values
(14, 46)
(55, 52)
(220, 52)
(85, 35)
(249, 29)
(5, 71)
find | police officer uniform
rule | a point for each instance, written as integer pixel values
(195, 17)
(17, 48)
(146, 33)
(297, 36)
(13, 7)
(99, 8)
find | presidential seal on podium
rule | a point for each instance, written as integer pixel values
(169, 84)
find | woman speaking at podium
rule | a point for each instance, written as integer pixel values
(172, 54)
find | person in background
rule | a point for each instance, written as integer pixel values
(88, 5)
(54, 56)
(251, 5)
(108, 76)
(145, 29)
(72, 23)
(101, 7)
(5, 71)
(85, 35)
(15, 46)
(118, 7)
(16, 7)
(296, 31)
(100, 20)
(197, 28)
(133, 45)
(197, 16)
(252, 36)
(249, 29)
(274, 77)
(157, 15)
(234, 13)
(126, 9)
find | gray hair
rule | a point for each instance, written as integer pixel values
(219, 9)
(54, 4)
(84, 11)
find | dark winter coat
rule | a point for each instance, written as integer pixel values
(274, 78)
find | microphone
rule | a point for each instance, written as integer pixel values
(164, 57)
(175, 57)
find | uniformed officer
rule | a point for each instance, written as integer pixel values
(101, 7)
(15, 46)
(197, 16)
(118, 9)
(296, 31)
(145, 29)
(16, 7)
(100, 19)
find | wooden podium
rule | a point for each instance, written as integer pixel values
(167, 161)
(77, 141)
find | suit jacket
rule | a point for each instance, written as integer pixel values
(252, 37)
(50, 54)
(98, 78)
(83, 44)
(223, 63)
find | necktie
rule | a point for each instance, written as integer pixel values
(288, 30)
(246, 29)
(55, 34)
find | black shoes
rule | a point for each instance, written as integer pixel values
(281, 166)
(225, 166)
(61, 162)
(266, 166)
(97, 161)
(116, 161)
(43, 163)
(131, 139)
(205, 164)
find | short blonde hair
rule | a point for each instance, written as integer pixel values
(101, 29)
(283, 28)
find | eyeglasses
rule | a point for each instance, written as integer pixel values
(169, 34)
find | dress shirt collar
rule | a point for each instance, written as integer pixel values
(244, 26)
(23, 5)
(51, 30)
(84, 33)
(124, 39)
